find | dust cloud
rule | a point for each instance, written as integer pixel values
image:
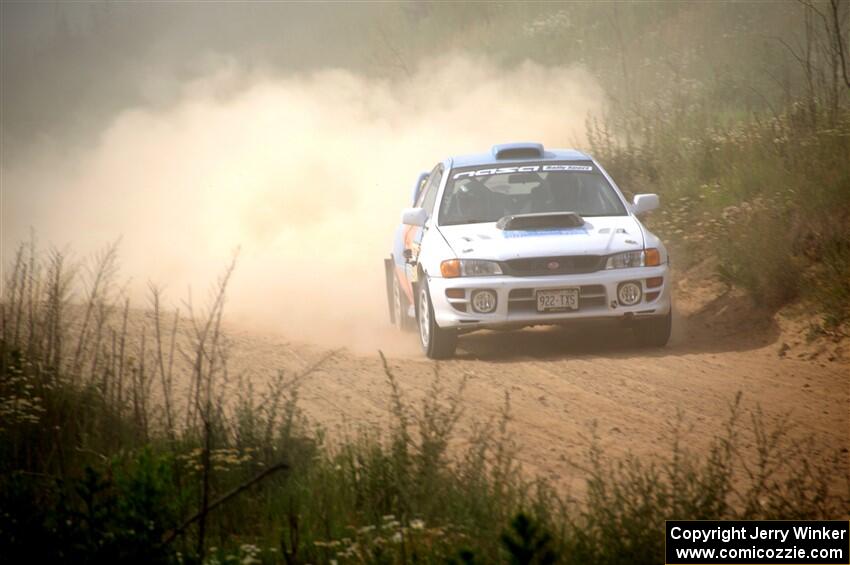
(305, 174)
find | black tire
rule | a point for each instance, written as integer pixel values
(436, 342)
(401, 305)
(654, 332)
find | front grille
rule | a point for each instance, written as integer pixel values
(560, 265)
(523, 301)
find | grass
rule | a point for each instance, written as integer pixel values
(767, 199)
(104, 457)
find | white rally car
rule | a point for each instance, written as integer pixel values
(525, 236)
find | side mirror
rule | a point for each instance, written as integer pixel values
(644, 203)
(414, 216)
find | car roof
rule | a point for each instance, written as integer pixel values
(491, 158)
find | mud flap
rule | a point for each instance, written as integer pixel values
(389, 273)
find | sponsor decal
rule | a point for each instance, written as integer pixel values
(537, 233)
(523, 169)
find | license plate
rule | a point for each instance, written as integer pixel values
(557, 300)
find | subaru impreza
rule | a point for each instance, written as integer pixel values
(525, 236)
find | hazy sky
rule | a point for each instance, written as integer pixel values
(68, 67)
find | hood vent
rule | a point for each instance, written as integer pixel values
(545, 221)
(518, 151)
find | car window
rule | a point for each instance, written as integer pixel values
(429, 193)
(486, 194)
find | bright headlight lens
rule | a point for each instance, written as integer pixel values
(469, 268)
(625, 260)
(478, 268)
(648, 258)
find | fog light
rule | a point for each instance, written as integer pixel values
(629, 293)
(484, 301)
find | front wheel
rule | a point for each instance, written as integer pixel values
(654, 332)
(437, 342)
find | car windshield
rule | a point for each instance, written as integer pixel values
(486, 194)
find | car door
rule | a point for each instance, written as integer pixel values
(413, 234)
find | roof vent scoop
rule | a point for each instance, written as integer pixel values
(518, 151)
(545, 221)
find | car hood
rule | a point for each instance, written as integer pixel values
(598, 236)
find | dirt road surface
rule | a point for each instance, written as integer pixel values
(563, 383)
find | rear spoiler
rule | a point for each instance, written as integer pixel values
(544, 221)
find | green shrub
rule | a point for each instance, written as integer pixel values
(95, 471)
(766, 198)
(116, 514)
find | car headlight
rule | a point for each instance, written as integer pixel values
(469, 268)
(645, 258)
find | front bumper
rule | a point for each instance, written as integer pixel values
(517, 306)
